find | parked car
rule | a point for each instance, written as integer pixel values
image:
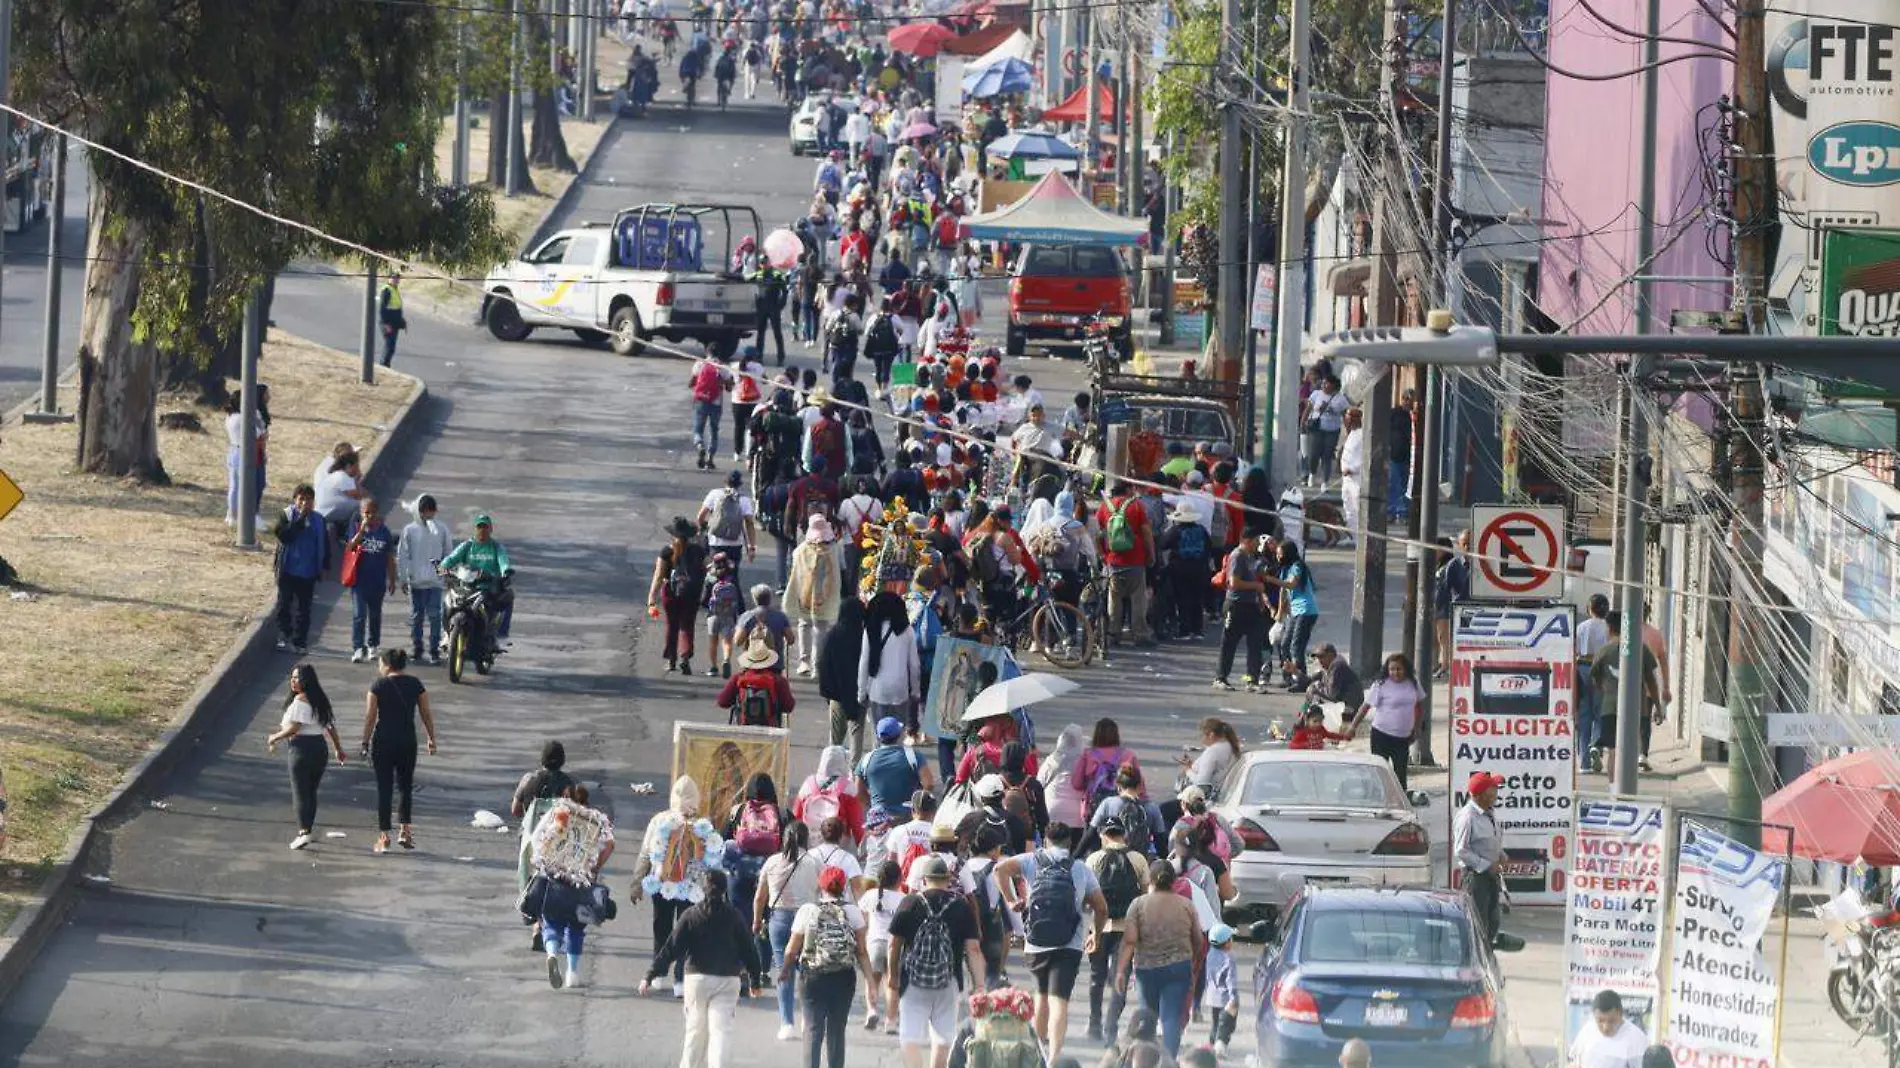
(1055, 291)
(804, 131)
(1323, 818)
(1401, 969)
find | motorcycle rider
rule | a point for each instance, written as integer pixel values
(490, 558)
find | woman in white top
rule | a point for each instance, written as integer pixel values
(239, 440)
(788, 879)
(308, 722)
(828, 946)
(890, 674)
(964, 266)
(1065, 798)
(933, 331)
(1394, 703)
(1220, 747)
(879, 905)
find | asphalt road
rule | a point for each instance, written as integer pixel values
(212, 944)
(23, 292)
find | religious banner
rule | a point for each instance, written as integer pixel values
(721, 758)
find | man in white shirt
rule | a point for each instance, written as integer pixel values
(1026, 397)
(424, 544)
(1592, 635)
(1352, 465)
(1612, 1041)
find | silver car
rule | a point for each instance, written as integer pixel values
(1322, 818)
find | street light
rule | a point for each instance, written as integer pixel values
(1437, 342)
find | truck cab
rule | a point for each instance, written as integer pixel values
(1056, 291)
(1185, 410)
(657, 271)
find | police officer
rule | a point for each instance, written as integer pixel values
(389, 311)
(1477, 844)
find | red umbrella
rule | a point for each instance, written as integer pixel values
(920, 39)
(1845, 810)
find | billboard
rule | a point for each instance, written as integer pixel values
(1859, 283)
(1513, 690)
(1613, 918)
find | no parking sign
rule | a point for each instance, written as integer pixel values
(1517, 553)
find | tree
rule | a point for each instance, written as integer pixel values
(325, 114)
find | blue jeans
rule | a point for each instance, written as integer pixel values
(779, 926)
(1588, 718)
(559, 938)
(425, 602)
(1399, 474)
(706, 425)
(1165, 991)
(366, 622)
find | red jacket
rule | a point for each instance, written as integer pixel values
(1305, 737)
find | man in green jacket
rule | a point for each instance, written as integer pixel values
(490, 558)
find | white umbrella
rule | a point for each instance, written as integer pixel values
(1019, 692)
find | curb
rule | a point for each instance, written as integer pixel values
(37, 922)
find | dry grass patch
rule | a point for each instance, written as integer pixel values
(131, 593)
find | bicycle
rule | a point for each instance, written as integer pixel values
(1056, 629)
(1093, 602)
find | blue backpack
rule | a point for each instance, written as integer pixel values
(1191, 543)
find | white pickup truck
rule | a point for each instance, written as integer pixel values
(657, 271)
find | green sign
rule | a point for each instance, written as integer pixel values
(1860, 283)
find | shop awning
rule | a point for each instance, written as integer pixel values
(1054, 213)
(1075, 110)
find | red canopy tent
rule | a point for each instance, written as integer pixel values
(1074, 110)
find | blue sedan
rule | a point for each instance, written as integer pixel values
(1401, 969)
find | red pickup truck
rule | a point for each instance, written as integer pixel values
(1055, 289)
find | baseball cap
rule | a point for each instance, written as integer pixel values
(991, 786)
(1481, 781)
(1220, 934)
(889, 728)
(482, 520)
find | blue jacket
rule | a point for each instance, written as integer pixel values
(303, 545)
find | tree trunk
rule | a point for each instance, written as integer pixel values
(501, 113)
(118, 374)
(550, 145)
(205, 370)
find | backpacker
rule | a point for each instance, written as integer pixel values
(991, 926)
(1136, 827)
(983, 561)
(930, 962)
(1119, 884)
(1120, 534)
(687, 572)
(708, 382)
(830, 945)
(827, 440)
(824, 804)
(728, 525)
(842, 336)
(1052, 916)
(722, 600)
(1191, 542)
(757, 705)
(882, 336)
(1101, 784)
(757, 834)
(1000, 1040)
(817, 500)
(947, 230)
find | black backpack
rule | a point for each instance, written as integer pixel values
(882, 337)
(688, 571)
(1052, 917)
(1118, 882)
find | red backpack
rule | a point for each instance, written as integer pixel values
(708, 382)
(948, 230)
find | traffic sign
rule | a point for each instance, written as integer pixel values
(1072, 63)
(1518, 552)
(10, 495)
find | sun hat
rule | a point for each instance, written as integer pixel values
(758, 655)
(932, 868)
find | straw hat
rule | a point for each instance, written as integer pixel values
(758, 655)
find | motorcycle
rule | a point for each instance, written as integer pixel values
(1862, 945)
(471, 610)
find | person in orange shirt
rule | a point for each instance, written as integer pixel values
(1312, 733)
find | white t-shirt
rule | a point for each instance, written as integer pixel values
(300, 713)
(832, 856)
(1624, 1049)
(879, 908)
(808, 915)
(787, 886)
(1085, 884)
(234, 429)
(710, 506)
(333, 499)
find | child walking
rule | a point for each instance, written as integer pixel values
(722, 613)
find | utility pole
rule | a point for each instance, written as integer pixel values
(1166, 333)
(1122, 85)
(511, 186)
(368, 348)
(1283, 446)
(1634, 477)
(590, 55)
(1749, 772)
(1250, 372)
(1092, 81)
(1368, 581)
(55, 253)
(1230, 315)
(249, 344)
(1137, 151)
(458, 160)
(1422, 524)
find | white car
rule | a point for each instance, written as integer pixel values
(804, 131)
(1319, 818)
(659, 271)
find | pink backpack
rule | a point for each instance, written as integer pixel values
(821, 805)
(758, 832)
(1222, 843)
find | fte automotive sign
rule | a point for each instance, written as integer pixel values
(1516, 553)
(1513, 689)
